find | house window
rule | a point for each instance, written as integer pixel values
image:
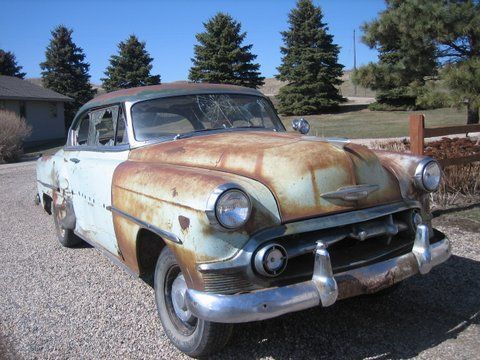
(23, 109)
(2, 105)
(53, 110)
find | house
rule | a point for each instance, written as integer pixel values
(43, 109)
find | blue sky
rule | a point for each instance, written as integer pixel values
(169, 29)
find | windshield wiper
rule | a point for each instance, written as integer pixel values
(249, 127)
(191, 133)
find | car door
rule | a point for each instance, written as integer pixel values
(92, 166)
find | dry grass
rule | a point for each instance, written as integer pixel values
(460, 183)
(13, 130)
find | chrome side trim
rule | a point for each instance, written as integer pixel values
(324, 288)
(48, 185)
(164, 234)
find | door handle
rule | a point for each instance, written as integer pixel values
(75, 160)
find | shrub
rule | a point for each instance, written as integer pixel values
(13, 130)
(377, 106)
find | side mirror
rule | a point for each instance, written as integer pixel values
(301, 125)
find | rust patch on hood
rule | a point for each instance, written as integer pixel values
(296, 169)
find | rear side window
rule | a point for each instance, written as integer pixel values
(99, 128)
(82, 130)
(102, 131)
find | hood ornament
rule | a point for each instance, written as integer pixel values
(351, 193)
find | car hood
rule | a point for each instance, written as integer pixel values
(304, 173)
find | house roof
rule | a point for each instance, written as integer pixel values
(13, 88)
(165, 90)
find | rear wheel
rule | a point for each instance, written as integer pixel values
(195, 337)
(66, 237)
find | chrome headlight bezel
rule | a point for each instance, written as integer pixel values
(217, 194)
(419, 177)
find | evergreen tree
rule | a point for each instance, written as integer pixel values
(9, 66)
(309, 64)
(221, 58)
(66, 71)
(415, 38)
(406, 57)
(130, 68)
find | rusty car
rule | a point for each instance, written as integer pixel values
(200, 188)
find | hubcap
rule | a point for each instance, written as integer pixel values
(179, 291)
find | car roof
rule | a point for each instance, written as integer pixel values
(165, 90)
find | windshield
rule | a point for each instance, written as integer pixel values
(174, 116)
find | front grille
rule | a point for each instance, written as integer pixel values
(226, 283)
(346, 248)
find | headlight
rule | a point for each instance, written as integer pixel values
(232, 208)
(428, 175)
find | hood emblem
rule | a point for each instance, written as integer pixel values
(351, 193)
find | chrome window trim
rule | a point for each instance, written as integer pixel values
(117, 148)
(134, 143)
(70, 146)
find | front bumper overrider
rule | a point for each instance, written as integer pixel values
(324, 288)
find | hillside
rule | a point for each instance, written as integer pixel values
(272, 86)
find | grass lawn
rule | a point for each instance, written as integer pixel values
(354, 121)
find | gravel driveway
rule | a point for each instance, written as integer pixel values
(73, 303)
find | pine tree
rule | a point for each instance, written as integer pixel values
(406, 56)
(66, 71)
(9, 66)
(221, 58)
(309, 64)
(131, 67)
(416, 38)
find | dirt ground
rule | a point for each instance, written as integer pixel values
(58, 303)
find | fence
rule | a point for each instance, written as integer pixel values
(418, 134)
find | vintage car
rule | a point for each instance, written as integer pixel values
(201, 188)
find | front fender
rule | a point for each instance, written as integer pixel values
(174, 199)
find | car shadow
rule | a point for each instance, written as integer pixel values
(424, 312)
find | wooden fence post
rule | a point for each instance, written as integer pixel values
(417, 133)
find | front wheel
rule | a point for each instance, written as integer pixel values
(195, 337)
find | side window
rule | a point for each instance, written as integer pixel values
(102, 130)
(121, 137)
(82, 131)
(103, 127)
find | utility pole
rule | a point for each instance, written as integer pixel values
(354, 62)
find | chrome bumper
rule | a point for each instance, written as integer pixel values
(324, 288)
